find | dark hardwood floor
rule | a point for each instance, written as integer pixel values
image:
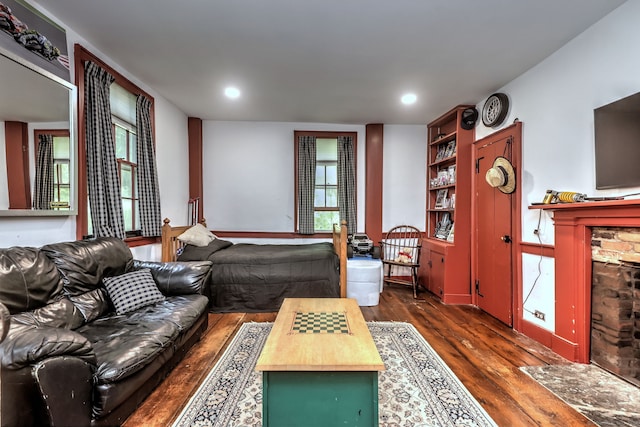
(484, 354)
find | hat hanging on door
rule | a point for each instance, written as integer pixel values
(502, 176)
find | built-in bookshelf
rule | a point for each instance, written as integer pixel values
(445, 259)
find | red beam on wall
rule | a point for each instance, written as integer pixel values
(373, 181)
(17, 151)
(195, 161)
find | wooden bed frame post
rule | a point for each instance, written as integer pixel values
(340, 246)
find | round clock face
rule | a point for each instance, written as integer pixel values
(495, 109)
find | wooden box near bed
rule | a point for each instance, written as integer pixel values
(257, 277)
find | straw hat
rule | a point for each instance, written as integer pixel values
(502, 176)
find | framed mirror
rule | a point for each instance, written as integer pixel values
(37, 109)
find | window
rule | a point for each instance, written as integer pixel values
(123, 99)
(123, 117)
(325, 201)
(324, 196)
(126, 153)
(61, 166)
(61, 176)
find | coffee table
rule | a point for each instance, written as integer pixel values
(320, 366)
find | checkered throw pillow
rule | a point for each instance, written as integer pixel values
(131, 291)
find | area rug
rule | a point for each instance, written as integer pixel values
(417, 388)
(602, 397)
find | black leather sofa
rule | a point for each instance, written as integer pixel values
(69, 358)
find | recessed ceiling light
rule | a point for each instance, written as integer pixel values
(232, 92)
(409, 98)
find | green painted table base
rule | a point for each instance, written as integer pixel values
(319, 399)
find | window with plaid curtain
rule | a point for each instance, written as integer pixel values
(148, 191)
(326, 180)
(103, 184)
(43, 189)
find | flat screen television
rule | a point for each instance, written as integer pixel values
(617, 143)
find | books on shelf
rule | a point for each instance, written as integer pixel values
(441, 199)
(450, 235)
(451, 149)
(446, 150)
(443, 229)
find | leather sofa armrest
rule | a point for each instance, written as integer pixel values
(28, 345)
(5, 320)
(66, 386)
(178, 278)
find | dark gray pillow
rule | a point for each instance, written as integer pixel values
(131, 291)
(202, 253)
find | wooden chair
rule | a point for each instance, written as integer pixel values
(400, 249)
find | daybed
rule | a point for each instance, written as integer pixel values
(92, 331)
(257, 278)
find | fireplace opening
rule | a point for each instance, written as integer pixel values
(615, 318)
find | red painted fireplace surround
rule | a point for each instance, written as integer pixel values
(573, 224)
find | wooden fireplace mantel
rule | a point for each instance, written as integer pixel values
(573, 224)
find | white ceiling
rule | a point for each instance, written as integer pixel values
(330, 61)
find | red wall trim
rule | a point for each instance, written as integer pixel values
(17, 159)
(270, 235)
(537, 249)
(195, 162)
(373, 181)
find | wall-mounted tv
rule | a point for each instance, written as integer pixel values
(617, 143)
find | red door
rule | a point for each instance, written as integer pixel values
(494, 233)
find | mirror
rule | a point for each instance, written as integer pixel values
(35, 101)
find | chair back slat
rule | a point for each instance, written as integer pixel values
(402, 239)
(400, 250)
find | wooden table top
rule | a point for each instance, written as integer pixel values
(320, 334)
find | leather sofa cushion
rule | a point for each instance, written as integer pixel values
(60, 314)
(29, 279)
(182, 311)
(123, 344)
(82, 264)
(92, 304)
(178, 278)
(26, 344)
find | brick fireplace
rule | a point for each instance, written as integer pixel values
(615, 324)
(574, 270)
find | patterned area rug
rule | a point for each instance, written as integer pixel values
(417, 388)
(602, 397)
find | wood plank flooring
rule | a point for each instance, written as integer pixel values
(483, 353)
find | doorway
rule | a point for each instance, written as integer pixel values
(495, 225)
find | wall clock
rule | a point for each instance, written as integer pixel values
(495, 109)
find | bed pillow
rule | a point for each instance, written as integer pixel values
(200, 253)
(198, 235)
(131, 291)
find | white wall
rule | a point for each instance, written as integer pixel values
(249, 174)
(555, 101)
(172, 162)
(404, 176)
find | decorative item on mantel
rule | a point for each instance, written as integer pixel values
(553, 197)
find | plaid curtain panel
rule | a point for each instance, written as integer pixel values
(103, 183)
(148, 191)
(306, 183)
(43, 189)
(347, 182)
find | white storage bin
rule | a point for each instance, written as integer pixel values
(364, 281)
